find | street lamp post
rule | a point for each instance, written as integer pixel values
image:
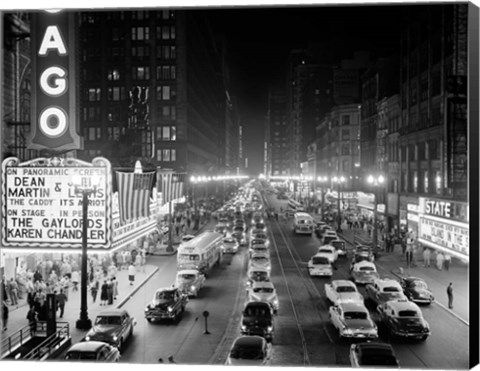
(375, 181)
(84, 323)
(322, 180)
(339, 180)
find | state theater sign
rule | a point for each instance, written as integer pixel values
(41, 209)
(54, 99)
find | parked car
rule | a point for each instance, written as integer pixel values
(330, 251)
(364, 272)
(416, 289)
(339, 246)
(264, 291)
(352, 320)
(94, 351)
(404, 319)
(257, 275)
(321, 229)
(373, 354)
(240, 236)
(262, 226)
(259, 236)
(320, 265)
(364, 251)
(258, 248)
(112, 326)
(342, 291)
(167, 303)
(257, 319)
(382, 290)
(250, 351)
(189, 281)
(260, 260)
(230, 245)
(329, 236)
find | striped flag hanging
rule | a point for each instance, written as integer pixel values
(170, 184)
(134, 192)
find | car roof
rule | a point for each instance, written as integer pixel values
(169, 288)
(375, 347)
(112, 312)
(387, 282)
(321, 255)
(258, 269)
(403, 304)
(343, 283)
(263, 284)
(411, 279)
(249, 340)
(364, 263)
(348, 306)
(187, 271)
(330, 247)
(87, 346)
(257, 304)
(260, 255)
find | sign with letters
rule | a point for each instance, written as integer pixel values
(41, 208)
(450, 236)
(54, 98)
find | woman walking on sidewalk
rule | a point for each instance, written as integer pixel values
(104, 293)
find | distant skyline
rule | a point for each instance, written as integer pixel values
(259, 40)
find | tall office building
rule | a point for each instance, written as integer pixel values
(276, 160)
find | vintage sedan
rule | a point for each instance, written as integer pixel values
(352, 320)
(258, 248)
(382, 290)
(113, 326)
(320, 265)
(404, 320)
(260, 260)
(342, 291)
(167, 303)
(250, 350)
(230, 245)
(257, 275)
(92, 351)
(416, 289)
(330, 251)
(364, 251)
(189, 281)
(373, 354)
(240, 236)
(264, 291)
(364, 272)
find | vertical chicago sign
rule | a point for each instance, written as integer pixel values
(54, 99)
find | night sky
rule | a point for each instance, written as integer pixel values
(259, 40)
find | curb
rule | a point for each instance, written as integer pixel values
(128, 297)
(440, 304)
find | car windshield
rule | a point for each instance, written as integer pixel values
(345, 289)
(263, 290)
(257, 312)
(321, 260)
(165, 295)
(325, 250)
(260, 259)
(108, 320)
(246, 352)
(186, 276)
(419, 285)
(258, 242)
(366, 269)
(408, 313)
(391, 289)
(81, 355)
(355, 315)
(259, 276)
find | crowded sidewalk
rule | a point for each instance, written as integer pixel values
(17, 314)
(395, 262)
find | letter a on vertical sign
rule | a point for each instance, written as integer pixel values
(54, 88)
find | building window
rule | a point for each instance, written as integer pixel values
(165, 92)
(116, 93)
(140, 51)
(345, 149)
(140, 33)
(166, 14)
(345, 134)
(166, 72)
(425, 181)
(345, 119)
(113, 74)
(438, 183)
(93, 94)
(166, 52)
(140, 15)
(94, 133)
(113, 133)
(415, 181)
(141, 73)
(165, 32)
(413, 92)
(166, 155)
(167, 133)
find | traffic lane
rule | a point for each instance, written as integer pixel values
(184, 340)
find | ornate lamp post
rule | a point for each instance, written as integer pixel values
(339, 181)
(376, 181)
(81, 188)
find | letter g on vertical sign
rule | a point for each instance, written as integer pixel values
(54, 88)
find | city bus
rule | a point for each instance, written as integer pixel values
(303, 223)
(202, 252)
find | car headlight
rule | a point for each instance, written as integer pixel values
(170, 309)
(87, 338)
(270, 328)
(192, 287)
(115, 338)
(244, 328)
(275, 302)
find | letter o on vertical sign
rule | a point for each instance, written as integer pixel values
(48, 126)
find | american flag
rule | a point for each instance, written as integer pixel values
(134, 191)
(170, 184)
